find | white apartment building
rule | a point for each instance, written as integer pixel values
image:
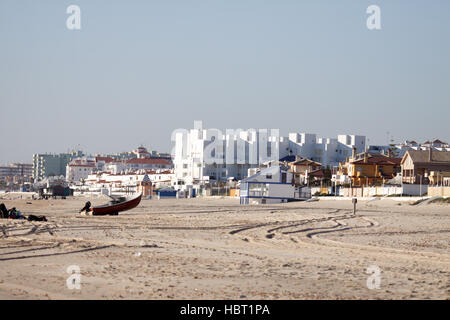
(328, 152)
(412, 145)
(201, 155)
(138, 164)
(79, 169)
(127, 181)
(101, 162)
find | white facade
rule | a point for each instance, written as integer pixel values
(202, 154)
(271, 185)
(78, 170)
(133, 165)
(401, 149)
(328, 152)
(96, 182)
(106, 178)
(161, 179)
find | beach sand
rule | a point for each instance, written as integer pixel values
(214, 248)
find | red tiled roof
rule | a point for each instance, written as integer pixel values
(316, 173)
(148, 161)
(305, 161)
(397, 161)
(82, 165)
(106, 159)
(379, 161)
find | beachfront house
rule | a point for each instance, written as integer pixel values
(303, 169)
(425, 166)
(369, 169)
(274, 184)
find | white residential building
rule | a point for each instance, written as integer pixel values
(399, 150)
(138, 164)
(437, 144)
(272, 185)
(79, 169)
(328, 152)
(126, 182)
(101, 162)
(201, 155)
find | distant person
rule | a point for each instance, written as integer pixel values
(4, 214)
(15, 214)
(12, 213)
(32, 217)
(87, 207)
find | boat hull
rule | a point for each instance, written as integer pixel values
(113, 209)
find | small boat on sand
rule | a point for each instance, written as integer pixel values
(117, 205)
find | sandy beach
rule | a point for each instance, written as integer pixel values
(214, 248)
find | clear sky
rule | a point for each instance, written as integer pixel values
(139, 69)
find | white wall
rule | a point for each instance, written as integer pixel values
(194, 148)
(407, 189)
(281, 190)
(77, 173)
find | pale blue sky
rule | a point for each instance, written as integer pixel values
(139, 69)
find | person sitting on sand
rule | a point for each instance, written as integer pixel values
(15, 214)
(12, 213)
(4, 214)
